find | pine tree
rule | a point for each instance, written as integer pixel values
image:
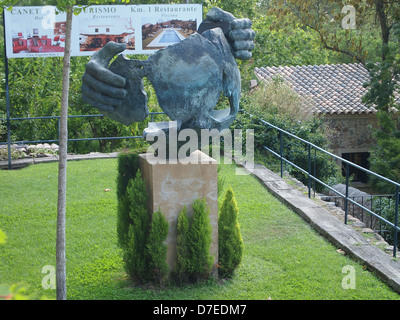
(135, 253)
(200, 232)
(128, 165)
(230, 242)
(182, 264)
(157, 249)
(123, 221)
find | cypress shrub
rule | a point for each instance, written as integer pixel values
(157, 249)
(182, 264)
(135, 251)
(230, 242)
(199, 241)
(128, 165)
(220, 181)
(123, 221)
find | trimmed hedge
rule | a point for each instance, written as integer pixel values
(136, 255)
(140, 234)
(199, 237)
(230, 242)
(182, 264)
(128, 165)
(194, 237)
(156, 247)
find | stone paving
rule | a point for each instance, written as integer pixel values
(20, 163)
(346, 238)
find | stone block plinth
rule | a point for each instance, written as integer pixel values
(171, 185)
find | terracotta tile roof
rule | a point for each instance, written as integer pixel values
(332, 89)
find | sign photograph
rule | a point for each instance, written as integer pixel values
(94, 36)
(98, 25)
(159, 33)
(31, 32)
(40, 32)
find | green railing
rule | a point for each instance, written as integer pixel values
(311, 170)
(57, 118)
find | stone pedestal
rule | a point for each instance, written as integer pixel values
(171, 185)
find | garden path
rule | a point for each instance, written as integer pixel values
(327, 224)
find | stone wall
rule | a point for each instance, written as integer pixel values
(358, 196)
(350, 133)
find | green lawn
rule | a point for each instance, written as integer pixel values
(284, 257)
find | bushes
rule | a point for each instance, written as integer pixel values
(200, 240)
(230, 242)
(385, 154)
(156, 247)
(277, 104)
(386, 208)
(294, 150)
(35, 92)
(128, 165)
(142, 235)
(194, 261)
(135, 254)
(194, 238)
(139, 236)
(182, 264)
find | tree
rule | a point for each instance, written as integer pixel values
(63, 6)
(182, 264)
(383, 89)
(135, 251)
(288, 45)
(230, 242)
(128, 167)
(374, 41)
(67, 6)
(194, 260)
(373, 19)
(199, 239)
(156, 247)
(244, 8)
(278, 104)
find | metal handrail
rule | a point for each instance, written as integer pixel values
(327, 152)
(312, 177)
(151, 114)
(279, 155)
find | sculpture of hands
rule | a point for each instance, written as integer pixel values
(101, 87)
(117, 89)
(237, 31)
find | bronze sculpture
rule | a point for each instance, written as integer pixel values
(188, 77)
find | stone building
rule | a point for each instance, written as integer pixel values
(335, 92)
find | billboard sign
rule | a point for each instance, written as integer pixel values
(40, 32)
